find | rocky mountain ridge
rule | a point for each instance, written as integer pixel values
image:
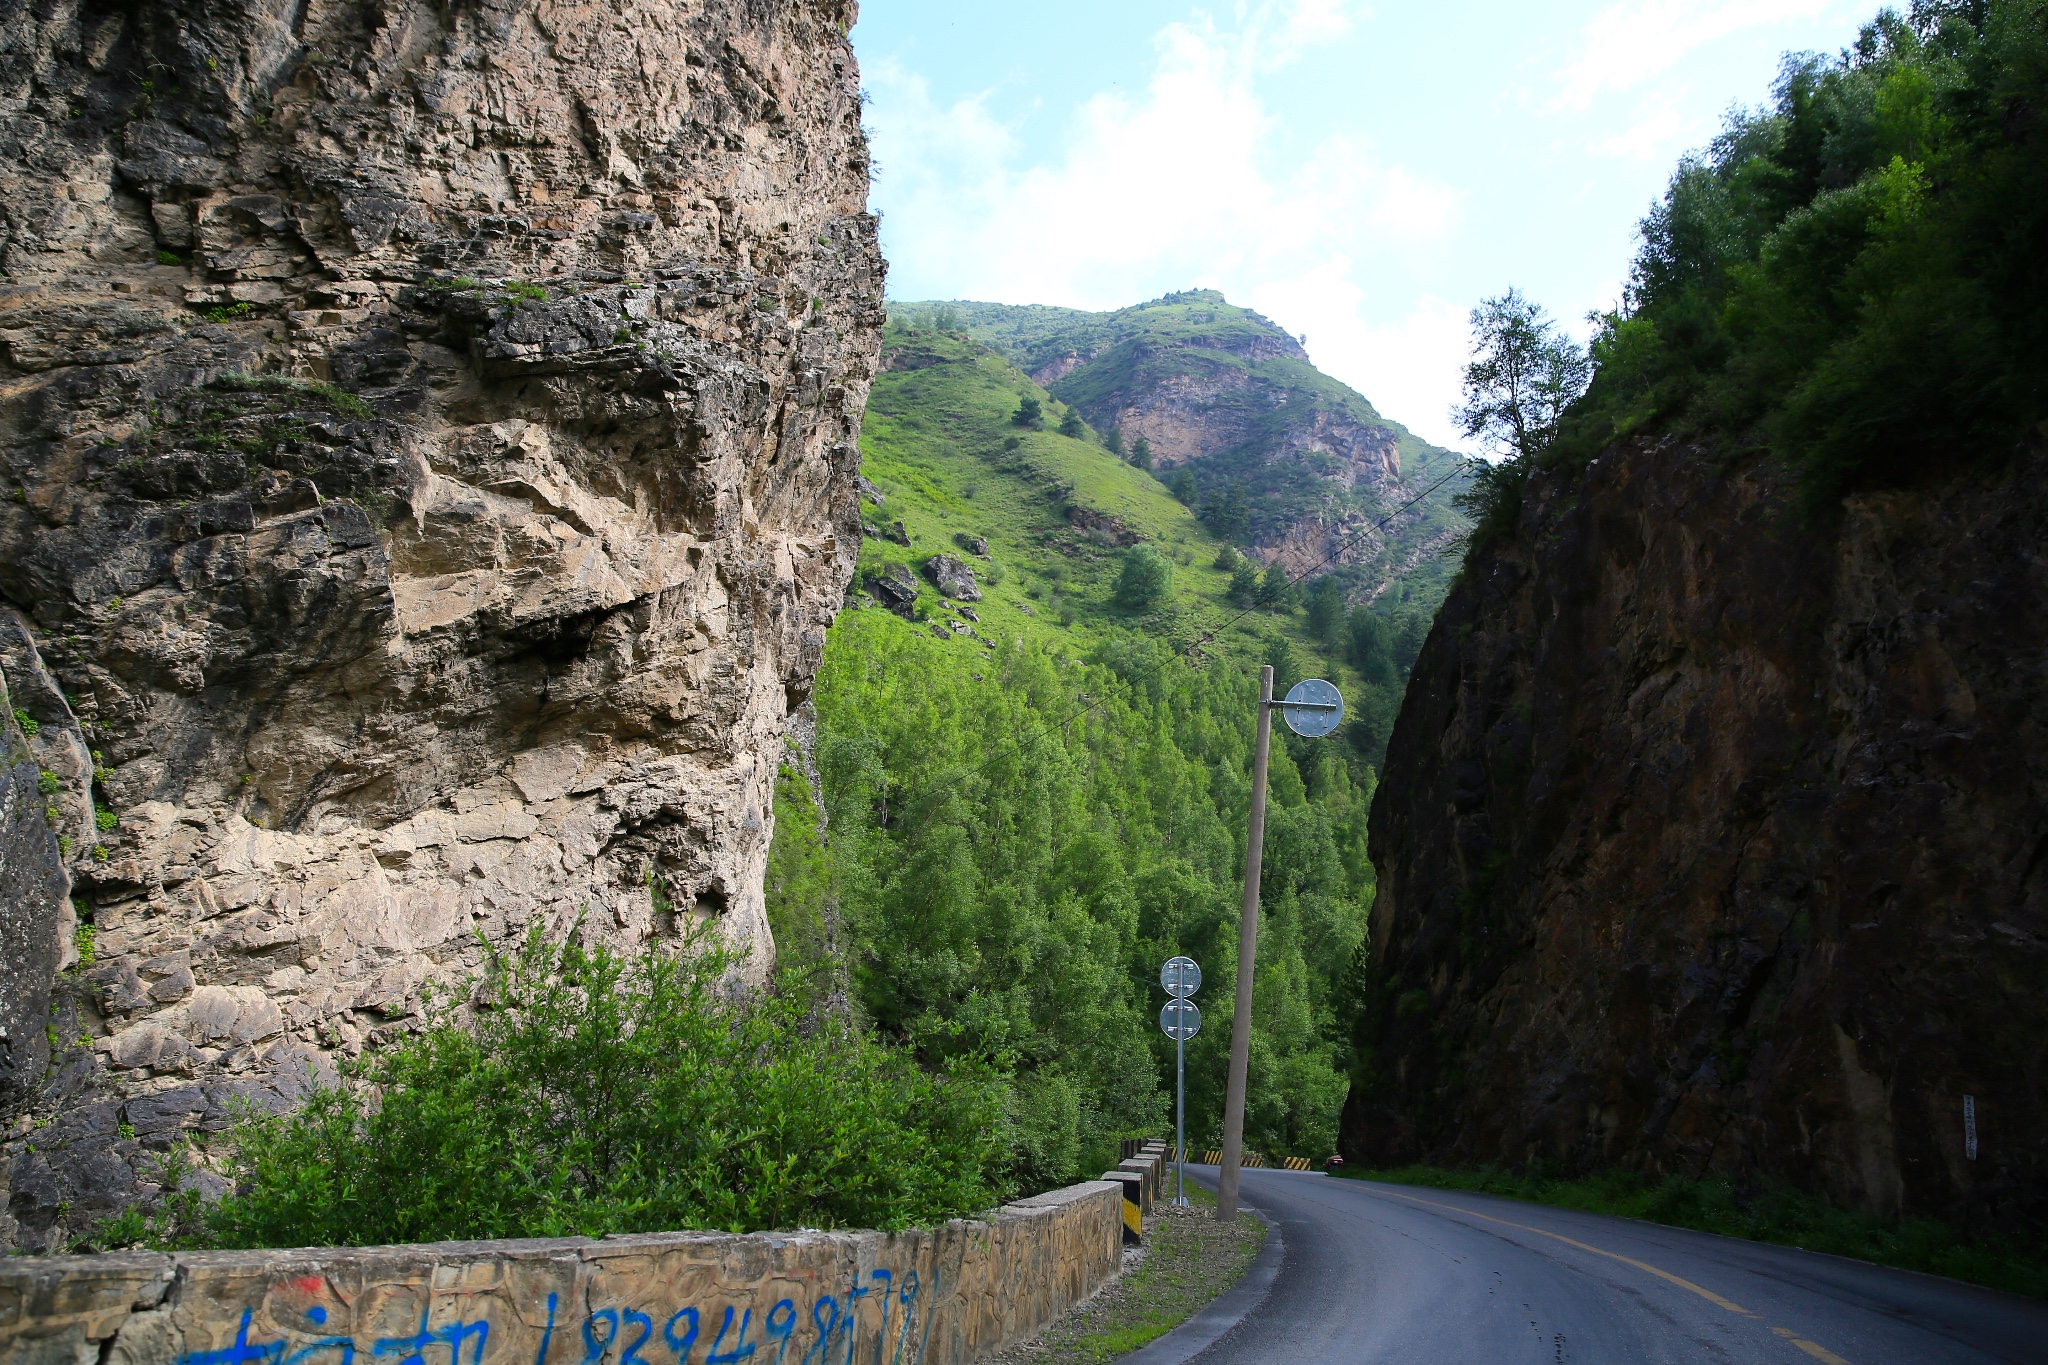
(431, 436)
(1284, 460)
(1713, 841)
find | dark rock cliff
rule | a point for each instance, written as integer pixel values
(429, 435)
(1713, 838)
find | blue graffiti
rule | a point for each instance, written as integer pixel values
(618, 1335)
(668, 1334)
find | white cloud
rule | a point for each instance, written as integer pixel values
(1636, 41)
(1184, 183)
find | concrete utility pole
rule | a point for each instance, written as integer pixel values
(1313, 709)
(1247, 951)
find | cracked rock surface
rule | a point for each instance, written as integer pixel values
(1713, 841)
(430, 473)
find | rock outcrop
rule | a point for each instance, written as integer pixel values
(951, 576)
(1713, 839)
(430, 472)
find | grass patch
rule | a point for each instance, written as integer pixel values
(1776, 1214)
(1189, 1259)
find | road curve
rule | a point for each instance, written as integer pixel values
(1415, 1276)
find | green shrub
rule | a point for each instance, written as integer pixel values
(28, 723)
(588, 1093)
(1146, 579)
(1853, 275)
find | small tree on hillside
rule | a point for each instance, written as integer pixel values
(1114, 442)
(1326, 611)
(1028, 414)
(1275, 592)
(1145, 580)
(1226, 558)
(1141, 454)
(1244, 584)
(1182, 485)
(1229, 516)
(1524, 374)
(1072, 425)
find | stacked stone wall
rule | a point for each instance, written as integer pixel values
(928, 1296)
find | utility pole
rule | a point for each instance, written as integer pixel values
(1247, 951)
(1313, 709)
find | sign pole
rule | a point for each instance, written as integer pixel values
(1180, 1121)
(1247, 950)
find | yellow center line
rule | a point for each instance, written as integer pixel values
(1814, 1349)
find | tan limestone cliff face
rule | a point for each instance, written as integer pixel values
(430, 436)
(1713, 840)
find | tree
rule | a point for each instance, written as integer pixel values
(1145, 580)
(1244, 584)
(1114, 442)
(1072, 425)
(1275, 592)
(1182, 485)
(1326, 610)
(1370, 648)
(1028, 414)
(1141, 454)
(1524, 373)
(1226, 557)
(1228, 516)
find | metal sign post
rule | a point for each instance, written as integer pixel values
(1180, 1020)
(1312, 708)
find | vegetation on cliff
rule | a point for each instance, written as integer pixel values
(1855, 275)
(1018, 832)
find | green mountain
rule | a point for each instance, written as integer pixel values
(1273, 454)
(1014, 808)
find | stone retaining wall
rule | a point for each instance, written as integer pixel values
(929, 1296)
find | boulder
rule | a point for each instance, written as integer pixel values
(974, 545)
(896, 589)
(953, 578)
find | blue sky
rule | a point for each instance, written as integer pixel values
(1361, 174)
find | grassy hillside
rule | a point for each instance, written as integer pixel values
(1263, 446)
(1000, 834)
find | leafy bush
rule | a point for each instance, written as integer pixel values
(1029, 413)
(1146, 578)
(1856, 275)
(585, 1092)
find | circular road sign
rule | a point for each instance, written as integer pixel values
(1313, 708)
(1181, 977)
(1180, 1020)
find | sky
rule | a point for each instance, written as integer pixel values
(1361, 174)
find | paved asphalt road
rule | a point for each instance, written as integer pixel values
(1414, 1276)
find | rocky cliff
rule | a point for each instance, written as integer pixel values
(429, 437)
(1713, 839)
(1284, 459)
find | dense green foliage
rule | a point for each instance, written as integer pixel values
(1011, 858)
(1016, 836)
(1778, 1214)
(1856, 275)
(588, 1093)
